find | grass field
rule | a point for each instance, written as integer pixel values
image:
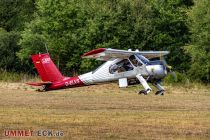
(107, 112)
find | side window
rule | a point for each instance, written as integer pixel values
(134, 61)
(121, 66)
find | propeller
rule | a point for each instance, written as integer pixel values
(169, 68)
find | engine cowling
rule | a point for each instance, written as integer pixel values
(157, 71)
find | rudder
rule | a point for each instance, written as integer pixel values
(46, 68)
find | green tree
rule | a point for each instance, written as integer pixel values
(13, 14)
(199, 49)
(58, 25)
(171, 31)
(8, 47)
(70, 28)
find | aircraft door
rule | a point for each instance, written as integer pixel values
(139, 66)
(122, 68)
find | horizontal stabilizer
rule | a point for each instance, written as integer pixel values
(39, 84)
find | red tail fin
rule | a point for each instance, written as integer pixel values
(46, 68)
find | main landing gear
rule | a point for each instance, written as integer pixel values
(147, 88)
(160, 89)
(144, 92)
(144, 84)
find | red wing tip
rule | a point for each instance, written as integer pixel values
(39, 84)
(99, 50)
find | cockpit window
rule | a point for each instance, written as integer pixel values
(122, 66)
(142, 58)
(135, 61)
(138, 60)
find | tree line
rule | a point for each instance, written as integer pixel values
(68, 28)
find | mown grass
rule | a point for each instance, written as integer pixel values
(107, 112)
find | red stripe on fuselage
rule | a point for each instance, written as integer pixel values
(67, 82)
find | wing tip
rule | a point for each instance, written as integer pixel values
(95, 51)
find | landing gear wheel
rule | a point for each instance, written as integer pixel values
(161, 92)
(43, 89)
(143, 92)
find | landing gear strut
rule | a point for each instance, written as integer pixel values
(145, 85)
(160, 89)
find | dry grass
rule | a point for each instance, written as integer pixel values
(107, 112)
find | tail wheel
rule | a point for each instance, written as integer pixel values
(44, 88)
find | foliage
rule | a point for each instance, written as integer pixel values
(8, 47)
(13, 14)
(70, 28)
(199, 48)
(84, 25)
(171, 31)
(176, 77)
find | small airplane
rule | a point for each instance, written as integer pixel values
(119, 64)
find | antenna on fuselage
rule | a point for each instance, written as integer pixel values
(46, 47)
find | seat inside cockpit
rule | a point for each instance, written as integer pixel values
(121, 66)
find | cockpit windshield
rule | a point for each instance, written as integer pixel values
(142, 58)
(138, 60)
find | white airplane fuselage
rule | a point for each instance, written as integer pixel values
(103, 74)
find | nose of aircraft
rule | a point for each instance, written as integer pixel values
(166, 68)
(157, 70)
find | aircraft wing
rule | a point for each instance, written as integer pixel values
(39, 84)
(108, 53)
